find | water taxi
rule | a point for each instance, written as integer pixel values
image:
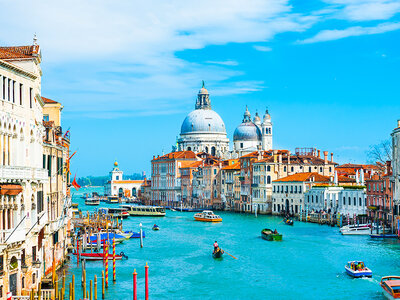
(92, 201)
(357, 269)
(269, 235)
(391, 286)
(144, 211)
(207, 216)
(361, 229)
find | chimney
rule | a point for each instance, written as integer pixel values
(325, 157)
(319, 153)
(275, 156)
(288, 158)
(331, 156)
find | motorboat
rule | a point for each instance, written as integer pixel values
(269, 235)
(144, 211)
(361, 229)
(391, 286)
(357, 268)
(92, 201)
(207, 216)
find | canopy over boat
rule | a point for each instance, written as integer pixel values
(357, 268)
(391, 286)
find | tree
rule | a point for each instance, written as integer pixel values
(381, 152)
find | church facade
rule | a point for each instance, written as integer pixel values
(203, 130)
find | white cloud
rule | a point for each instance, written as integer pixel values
(262, 48)
(366, 10)
(223, 63)
(329, 35)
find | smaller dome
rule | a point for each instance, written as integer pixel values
(247, 131)
(267, 115)
(203, 91)
(257, 119)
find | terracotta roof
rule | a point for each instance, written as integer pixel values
(177, 155)
(345, 179)
(49, 101)
(304, 177)
(128, 181)
(297, 159)
(235, 166)
(18, 52)
(190, 164)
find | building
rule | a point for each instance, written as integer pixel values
(120, 187)
(34, 193)
(251, 136)
(203, 129)
(145, 192)
(187, 172)
(229, 171)
(379, 191)
(55, 157)
(166, 177)
(288, 192)
(396, 168)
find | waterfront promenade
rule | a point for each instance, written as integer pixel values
(307, 264)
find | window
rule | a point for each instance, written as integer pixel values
(49, 165)
(34, 253)
(355, 201)
(215, 171)
(4, 88)
(291, 188)
(268, 179)
(359, 201)
(30, 97)
(241, 145)
(299, 188)
(21, 94)
(291, 169)
(320, 169)
(44, 161)
(46, 118)
(312, 198)
(9, 90)
(13, 91)
(295, 188)
(309, 169)
(344, 200)
(268, 168)
(284, 169)
(349, 201)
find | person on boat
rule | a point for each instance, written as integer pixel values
(216, 246)
(155, 226)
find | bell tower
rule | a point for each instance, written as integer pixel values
(266, 127)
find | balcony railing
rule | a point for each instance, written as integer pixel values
(23, 173)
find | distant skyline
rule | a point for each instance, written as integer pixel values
(128, 72)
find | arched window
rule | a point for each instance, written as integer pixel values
(213, 151)
(189, 149)
(268, 168)
(206, 149)
(268, 179)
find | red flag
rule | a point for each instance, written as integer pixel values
(75, 184)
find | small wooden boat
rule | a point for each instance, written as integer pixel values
(384, 236)
(288, 221)
(269, 235)
(357, 269)
(218, 253)
(207, 216)
(391, 286)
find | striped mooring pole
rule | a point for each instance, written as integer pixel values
(114, 274)
(106, 254)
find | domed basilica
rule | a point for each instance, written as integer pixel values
(203, 130)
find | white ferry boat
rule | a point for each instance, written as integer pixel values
(207, 216)
(92, 201)
(145, 211)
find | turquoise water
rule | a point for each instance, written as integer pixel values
(307, 264)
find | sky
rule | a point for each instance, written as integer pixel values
(128, 72)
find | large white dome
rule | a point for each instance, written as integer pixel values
(203, 121)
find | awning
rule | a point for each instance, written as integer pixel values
(10, 189)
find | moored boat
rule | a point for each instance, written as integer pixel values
(207, 216)
(92, 201)
(99, 256)
(145, 211)
(269, 235)
(357, 269)
(218, 253)
(288, 221)
(391, 286)
(384, 236)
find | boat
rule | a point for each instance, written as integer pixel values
(112, 199)
(218, 253)
(118, 212)
(361, 229)
(391, 286)
(288, 221)
(156, 227)
(207, 216)
(104, 236)
(353, 270)
(135, 235)
(384, 236)
(100, 256)
(269, 235)
(92, 201)
(144, 211)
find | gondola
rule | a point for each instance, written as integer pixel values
(288, 221)
(218, 253)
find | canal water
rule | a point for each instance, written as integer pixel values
(307, 264)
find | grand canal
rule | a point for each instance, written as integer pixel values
(307, 264)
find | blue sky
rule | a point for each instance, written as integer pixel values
(128, 72)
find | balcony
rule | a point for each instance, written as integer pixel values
(23, 173)
(254, 185)
(229, 181)
(10, 236)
